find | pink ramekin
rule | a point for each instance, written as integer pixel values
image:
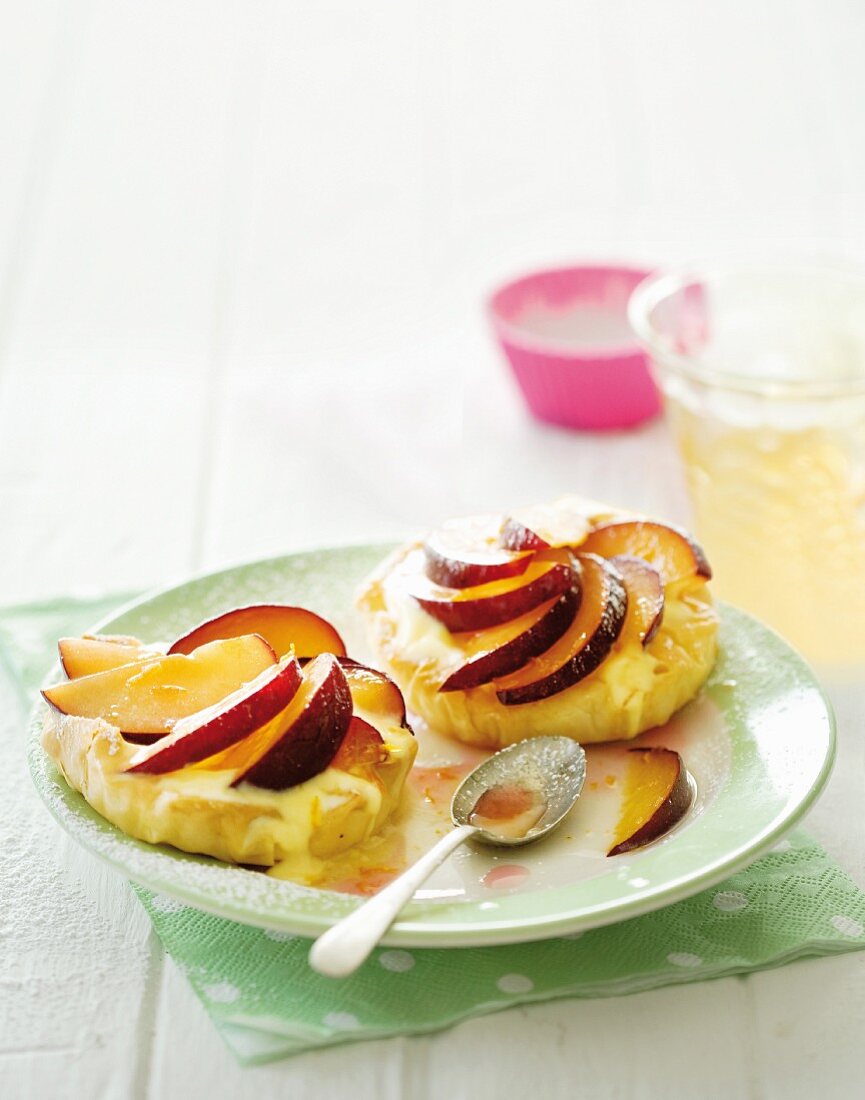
(567, 381)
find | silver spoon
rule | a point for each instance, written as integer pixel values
(546, 773)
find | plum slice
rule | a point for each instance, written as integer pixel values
(645, 597)
(375, 692)
(301, 741)
(502, 650)
(657, 795)
(463, 609)
(284, 627)
(227, 722)
(672, 552)
(362, 747)
(585, 645)
(100, 653)
(467, 552)
(151, 696)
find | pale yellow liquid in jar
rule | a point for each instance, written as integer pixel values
(781, 514)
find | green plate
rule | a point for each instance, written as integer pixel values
(760, 742)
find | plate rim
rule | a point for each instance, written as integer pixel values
(417, 930)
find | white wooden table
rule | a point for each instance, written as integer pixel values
(242, 253)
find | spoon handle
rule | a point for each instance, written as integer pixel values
(341, 949)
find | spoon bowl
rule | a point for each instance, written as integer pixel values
(554, 768)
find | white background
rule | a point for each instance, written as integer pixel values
(243, 253)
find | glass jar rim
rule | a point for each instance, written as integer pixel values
(663, 284)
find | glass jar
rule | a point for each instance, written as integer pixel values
(762, 367)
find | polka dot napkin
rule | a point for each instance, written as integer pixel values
(267, 1003)
(263, 997)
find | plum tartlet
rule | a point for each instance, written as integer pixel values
(253, 738)
(571, 618)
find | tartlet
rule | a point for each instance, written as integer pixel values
(572, 618)
(299, 760)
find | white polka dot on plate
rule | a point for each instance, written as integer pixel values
(277, 936)
(847, 926)
(782, 846)
(515, 983)
(396, 961)
(684, 958)
(162, 904)
(222, 993)
(728, 901)
(342, 1021)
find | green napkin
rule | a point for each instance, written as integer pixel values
(267, 1003)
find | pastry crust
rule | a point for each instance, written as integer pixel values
(635, 688)
(198, 811)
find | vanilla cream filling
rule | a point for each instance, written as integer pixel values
(419, 637)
